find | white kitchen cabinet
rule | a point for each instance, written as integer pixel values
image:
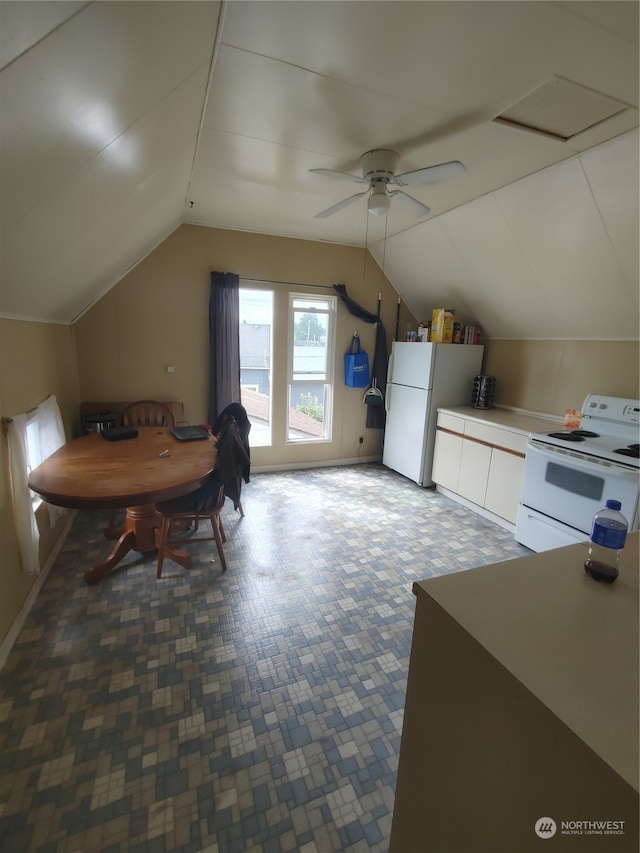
(504, 484)
(482, 462)
(475, 461)
(446, 460)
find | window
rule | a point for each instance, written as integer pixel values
(34, 449)
(256, 321)
(310, 398)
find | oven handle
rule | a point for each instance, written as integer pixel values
(581, 462)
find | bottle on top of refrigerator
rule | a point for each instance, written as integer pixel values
(608, 535)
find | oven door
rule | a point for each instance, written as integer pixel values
(571, 488)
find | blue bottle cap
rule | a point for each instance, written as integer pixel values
(614, 505)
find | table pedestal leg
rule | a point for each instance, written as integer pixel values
(139, 535)
(124, 544)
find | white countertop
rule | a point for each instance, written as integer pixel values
(571, 641)
(521, 422)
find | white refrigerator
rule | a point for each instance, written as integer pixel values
(422, 377)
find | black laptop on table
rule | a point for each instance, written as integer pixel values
(188, 433)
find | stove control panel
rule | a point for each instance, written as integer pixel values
(632, 413)
(621, 410)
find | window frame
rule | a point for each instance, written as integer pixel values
(331, 310)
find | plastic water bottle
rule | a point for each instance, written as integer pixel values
(608, 536)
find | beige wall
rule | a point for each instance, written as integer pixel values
(36, 360)
(551, 376)
(158, 316)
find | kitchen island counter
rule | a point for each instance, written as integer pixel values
(522, 703)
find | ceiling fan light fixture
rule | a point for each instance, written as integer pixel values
(379, 202)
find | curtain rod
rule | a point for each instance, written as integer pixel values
(287, 283)
(6, 421)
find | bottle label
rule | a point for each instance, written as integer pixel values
(607, 537)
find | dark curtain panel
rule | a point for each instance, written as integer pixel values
(375, 414)
(224, 342)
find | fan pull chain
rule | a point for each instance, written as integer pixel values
(384, 244)
(366, 246)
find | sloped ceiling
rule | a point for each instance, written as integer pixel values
(122, 120)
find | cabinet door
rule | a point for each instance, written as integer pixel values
(504, 485)
(446, 460)
(474, 470)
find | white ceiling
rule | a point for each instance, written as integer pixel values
(121, 120)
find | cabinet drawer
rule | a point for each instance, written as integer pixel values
(496, 437)
(451, 422)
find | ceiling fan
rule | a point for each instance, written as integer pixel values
(378, 170)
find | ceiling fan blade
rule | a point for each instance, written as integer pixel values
(429, 174)
(336, 207)
(409, 201)
(334, 174)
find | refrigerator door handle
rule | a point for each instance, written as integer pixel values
(390, 369)
(387, 398)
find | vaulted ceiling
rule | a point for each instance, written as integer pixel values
(121, 120)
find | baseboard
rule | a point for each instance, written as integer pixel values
(18, 622)
(490, 516)
(328, 463)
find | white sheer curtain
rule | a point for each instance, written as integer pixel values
(23, 514)
(51, 437)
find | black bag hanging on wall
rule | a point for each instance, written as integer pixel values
(356, 365)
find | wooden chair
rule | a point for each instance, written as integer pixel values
(142, 413)
(148, 413)
(206, 503)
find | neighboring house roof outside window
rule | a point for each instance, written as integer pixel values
(257, 406)
(255, 344)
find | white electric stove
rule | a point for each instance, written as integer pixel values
(570, 474)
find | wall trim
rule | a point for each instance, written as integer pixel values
(18, 622)
(328, 463)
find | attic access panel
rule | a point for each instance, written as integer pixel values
(561, 109)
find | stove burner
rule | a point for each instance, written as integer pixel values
(585, 433)
(632, 450)
(567, 436)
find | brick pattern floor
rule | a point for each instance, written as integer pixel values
(259, 710)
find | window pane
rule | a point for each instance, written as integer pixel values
(256, 321)
(311, 347)
(310, 343)
(309, 303)
(307, 411)
(33, 444)
(34, 455)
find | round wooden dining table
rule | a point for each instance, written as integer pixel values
(93, 473)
